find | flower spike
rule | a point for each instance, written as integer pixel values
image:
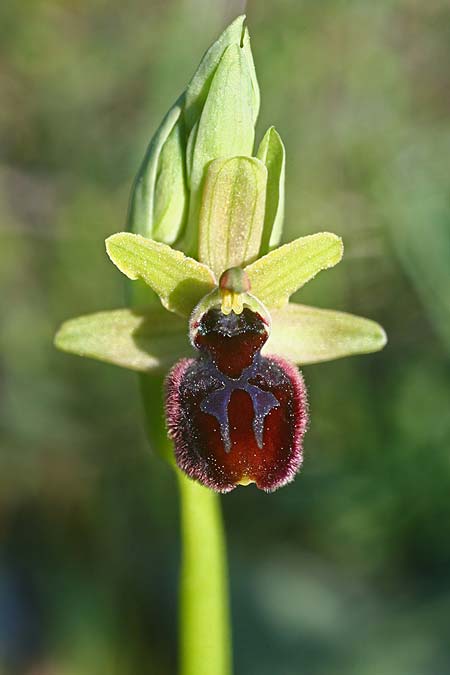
(206, 216)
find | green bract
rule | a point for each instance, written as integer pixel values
(201, 190)
(271, 151)
(159, 197)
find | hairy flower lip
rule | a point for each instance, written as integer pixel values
(208, 470)
(234, 416)
(193, 469)
(302, 407)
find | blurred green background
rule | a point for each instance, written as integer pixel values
(348, 569)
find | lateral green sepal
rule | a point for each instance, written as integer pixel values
(307, 335)
(148, 341)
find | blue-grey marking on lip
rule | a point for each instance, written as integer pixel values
(216, 403)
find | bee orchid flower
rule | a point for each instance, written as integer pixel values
(206, 221)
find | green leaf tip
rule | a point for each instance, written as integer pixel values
(307, 335)
(179, 281)
(232, 212)
(277, 275)
(149, 341)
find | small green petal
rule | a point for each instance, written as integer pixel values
(179, 281)
(276, 276)
(225, 129)
(272, 153)
(147, 341)
(310, 335)
(232, 213)
(158, 202)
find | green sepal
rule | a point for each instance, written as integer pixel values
(179, 281)
(277, 275)
(232, 213)
(147, 341)
(159, 198)
(225, 129)
(307, 335)
(272, 153)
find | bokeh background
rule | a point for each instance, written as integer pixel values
(348, 569)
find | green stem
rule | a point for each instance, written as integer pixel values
(205, 643)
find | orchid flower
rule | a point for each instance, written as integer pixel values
(204, 230)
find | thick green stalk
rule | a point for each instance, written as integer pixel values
(205, 642)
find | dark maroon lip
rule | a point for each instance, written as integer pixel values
(235, 416)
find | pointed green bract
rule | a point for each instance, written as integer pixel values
(272, 153)
(198, 87)
(305, 334)
(190, 147)
(149, 341)
(225, 129)
(179, 281)
(197, 90)
(226, 123)
(256, 97)
(158, 202)
(276, 276)
(170, 192)
(232, 213)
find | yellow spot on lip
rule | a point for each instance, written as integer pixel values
(245, 480)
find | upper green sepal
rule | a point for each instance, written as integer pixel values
(277, 275)
(232, 212)
(179, 281)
